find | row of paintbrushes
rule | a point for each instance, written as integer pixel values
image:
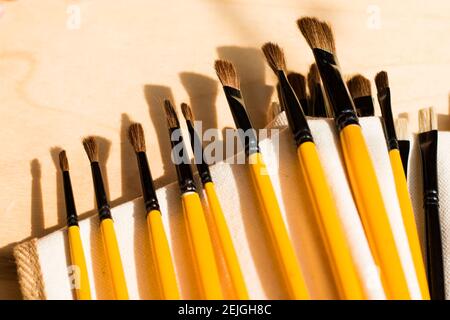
(361, 174)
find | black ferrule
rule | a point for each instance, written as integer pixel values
(104, 210)
(384, 99)
(364, 106)
(428, 150)
(336, 89)
(148, 189)
(181, 161)
(200, 162)
(318, 105)
(294, 111)
(72, 218)
(404, 146)
(248, 135)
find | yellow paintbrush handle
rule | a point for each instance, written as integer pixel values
(201, 246)
(231, 260)
(284, 250)
(113, 260)
(83, 292)
(162, 257)
(344, 269)
(374, 217)
(409, 221)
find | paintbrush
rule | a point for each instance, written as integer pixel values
(361, 92)
(282, 245)
(428, 140)
(358, 162)
(197, 228)
(165, 271)
(384, 99)
(110, 245)
(404, 145)
(298, 84)
(224, 236)
(82, 289)
(317, 107)
(333, 236)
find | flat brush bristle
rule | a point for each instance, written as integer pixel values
(313, 78)
(427, 120)
(136, 136)
(274, 56)
(91, 148)
(171, 115)
(318, 34)
(298, 83)
(359, 86)
(227, 73)
(401, 129)
(381, 80)
(187, 112)
(63, 162)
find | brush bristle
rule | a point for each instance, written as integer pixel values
(63, 162)
(90, 145)
(136, 136)
(298, 83)
(427, 120)
(171, 115)
(187, 112)
(227, 74)
(381, 80)
(273, 111)
(274, 56)
(359, 86)
(401, 128)
(318, 34)
(313, 78)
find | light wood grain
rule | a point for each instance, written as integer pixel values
(58, 84)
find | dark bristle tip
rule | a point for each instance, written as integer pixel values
(171, 115)
(227, 73)
(136, 136)
(318, 34)
(359, 86)
(274, 56)
(187, 112)
(381, 80)
(63, 162)
(91, 148)
(313, 79)
(298, 83)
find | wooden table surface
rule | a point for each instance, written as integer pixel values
(74, 68)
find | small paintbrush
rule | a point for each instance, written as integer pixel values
(428, 145)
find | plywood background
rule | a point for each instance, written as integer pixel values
(73, 68)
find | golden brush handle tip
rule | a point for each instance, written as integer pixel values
(201, 246)
(113, 259)
(226, 243)
(369, 201)
(409, 221)
(83, 290)
(162, 257)
(348, 281)
(284, 250)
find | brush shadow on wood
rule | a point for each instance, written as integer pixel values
(444, 119)
(37, 202)
(129, 170)
(203, 92)
(155, 95)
